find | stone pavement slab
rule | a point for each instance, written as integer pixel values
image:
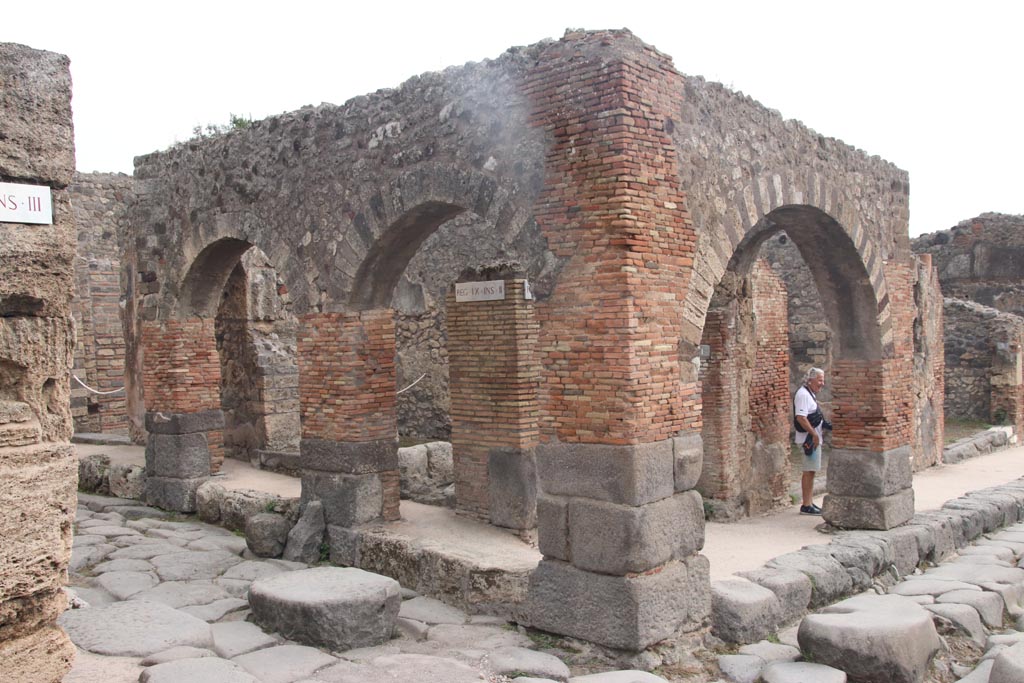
(235, 638)
(134, 629)
(194, 564)
(178, 594)
(204, 670)
(285, 663)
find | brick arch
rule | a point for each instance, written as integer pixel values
(203, 283)
(845, 264)
(393, 223)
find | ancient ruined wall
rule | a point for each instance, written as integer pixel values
(745, 395)
(980, 259)
(929, 367)
(259, 374)
(38, 472)
(100, 204)
(983, 348)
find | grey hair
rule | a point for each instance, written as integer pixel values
(812, 373)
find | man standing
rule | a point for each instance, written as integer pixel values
(809, 422)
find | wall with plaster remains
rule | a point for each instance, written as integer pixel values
(100, 202)
(38, 468)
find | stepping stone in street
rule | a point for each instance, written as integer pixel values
(204, 670)
(333, 607)
(286, 663)
(134, 629)
(872, 638)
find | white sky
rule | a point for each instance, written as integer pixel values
(937, 90)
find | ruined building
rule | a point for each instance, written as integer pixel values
(558, 253)
(38, 468)
(979, 264)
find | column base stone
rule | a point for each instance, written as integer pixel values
(623, 612)
(177, 495)
(881, 513)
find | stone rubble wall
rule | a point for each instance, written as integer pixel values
(980, 260)
(979, 343)
(37, 332)
(100, 202)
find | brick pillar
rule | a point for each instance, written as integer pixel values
(869, 471)
(181, 380)
(493, 376)
(620, 533)
(349, 446)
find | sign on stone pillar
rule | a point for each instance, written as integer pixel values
(20, 203)
(494, 375)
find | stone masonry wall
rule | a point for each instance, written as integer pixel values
(38, 468)
(100, 203)
(981, 345)
(980, 259)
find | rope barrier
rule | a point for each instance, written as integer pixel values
(97, 391)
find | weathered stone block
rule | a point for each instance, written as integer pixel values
(512, 482)
(625, 612)
(873, 638)
(127, 481)
(94, 474)
(344, 543)
(37, 489)
(36, 135)
(266, 534)
(688, 452)
(553, 526)
(184, 423)
(332, 607)
(307, 535)
(172, 493)
(628, 475)
(850, 512)
(42, 655)
(209, 497)
(619, 539)
(742, 611)
(349, 457)
(238, 505)
(14, 411)
(348, 499)
(791, 587)
(185, 456)
(867, 474)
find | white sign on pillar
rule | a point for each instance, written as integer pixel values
(492, 290)
(25, 204)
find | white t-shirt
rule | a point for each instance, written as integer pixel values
(804, 404)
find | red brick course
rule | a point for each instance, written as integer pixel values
(493, 375)
(612, 206)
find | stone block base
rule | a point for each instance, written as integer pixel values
(868, 474)
(624, 612)
(169, 493)
(512, 484)
(853, 512)
(349, 499)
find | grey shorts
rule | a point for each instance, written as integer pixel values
(812, 462)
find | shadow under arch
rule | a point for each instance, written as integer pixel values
(848, 296)
(380, 271)
(203, 284)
